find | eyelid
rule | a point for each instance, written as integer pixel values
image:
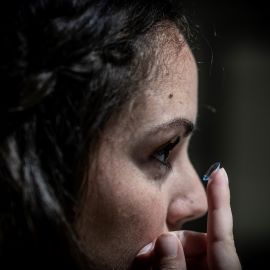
(162, 158)
(166, 148)
(171, 144)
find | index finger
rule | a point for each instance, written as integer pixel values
(220, 222)
(221, 252)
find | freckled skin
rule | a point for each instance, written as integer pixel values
(123, 209)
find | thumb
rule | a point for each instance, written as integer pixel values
(169, 253)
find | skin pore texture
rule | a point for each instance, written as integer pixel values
(132, 197)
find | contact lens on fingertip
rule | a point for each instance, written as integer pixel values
(212, 168)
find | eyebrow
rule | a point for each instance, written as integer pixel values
(186, 124)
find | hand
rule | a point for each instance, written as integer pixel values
(192, 250)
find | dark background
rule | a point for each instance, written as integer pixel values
(233, 55)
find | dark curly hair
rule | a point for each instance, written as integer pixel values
(66, 67)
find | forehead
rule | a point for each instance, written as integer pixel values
(172, 94)
(171, 91)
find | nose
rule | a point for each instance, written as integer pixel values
(187, 197)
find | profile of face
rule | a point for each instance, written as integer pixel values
(143, 183)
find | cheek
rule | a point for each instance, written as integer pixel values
(124, 212)
(132, 205)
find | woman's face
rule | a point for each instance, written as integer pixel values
(144, 184)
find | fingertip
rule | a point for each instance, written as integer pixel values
(169, 253)
(219, 176)
(218, 192)
(167, 245)
(225, 175)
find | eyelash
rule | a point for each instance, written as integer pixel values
(164, 151)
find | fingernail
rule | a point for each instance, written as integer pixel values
(225, 175)
(167, 246)
(213, 168)
(146, 249)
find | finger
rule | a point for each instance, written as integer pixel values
(195, 248)
(194, 243)
(169, 253)
(144, 258)
(221, 251)
(219, 223)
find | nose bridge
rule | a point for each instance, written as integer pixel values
(188, 197)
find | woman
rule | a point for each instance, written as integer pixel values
(98, 100)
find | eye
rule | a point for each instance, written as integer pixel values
(162, 154)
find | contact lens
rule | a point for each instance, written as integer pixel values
(212, 168)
